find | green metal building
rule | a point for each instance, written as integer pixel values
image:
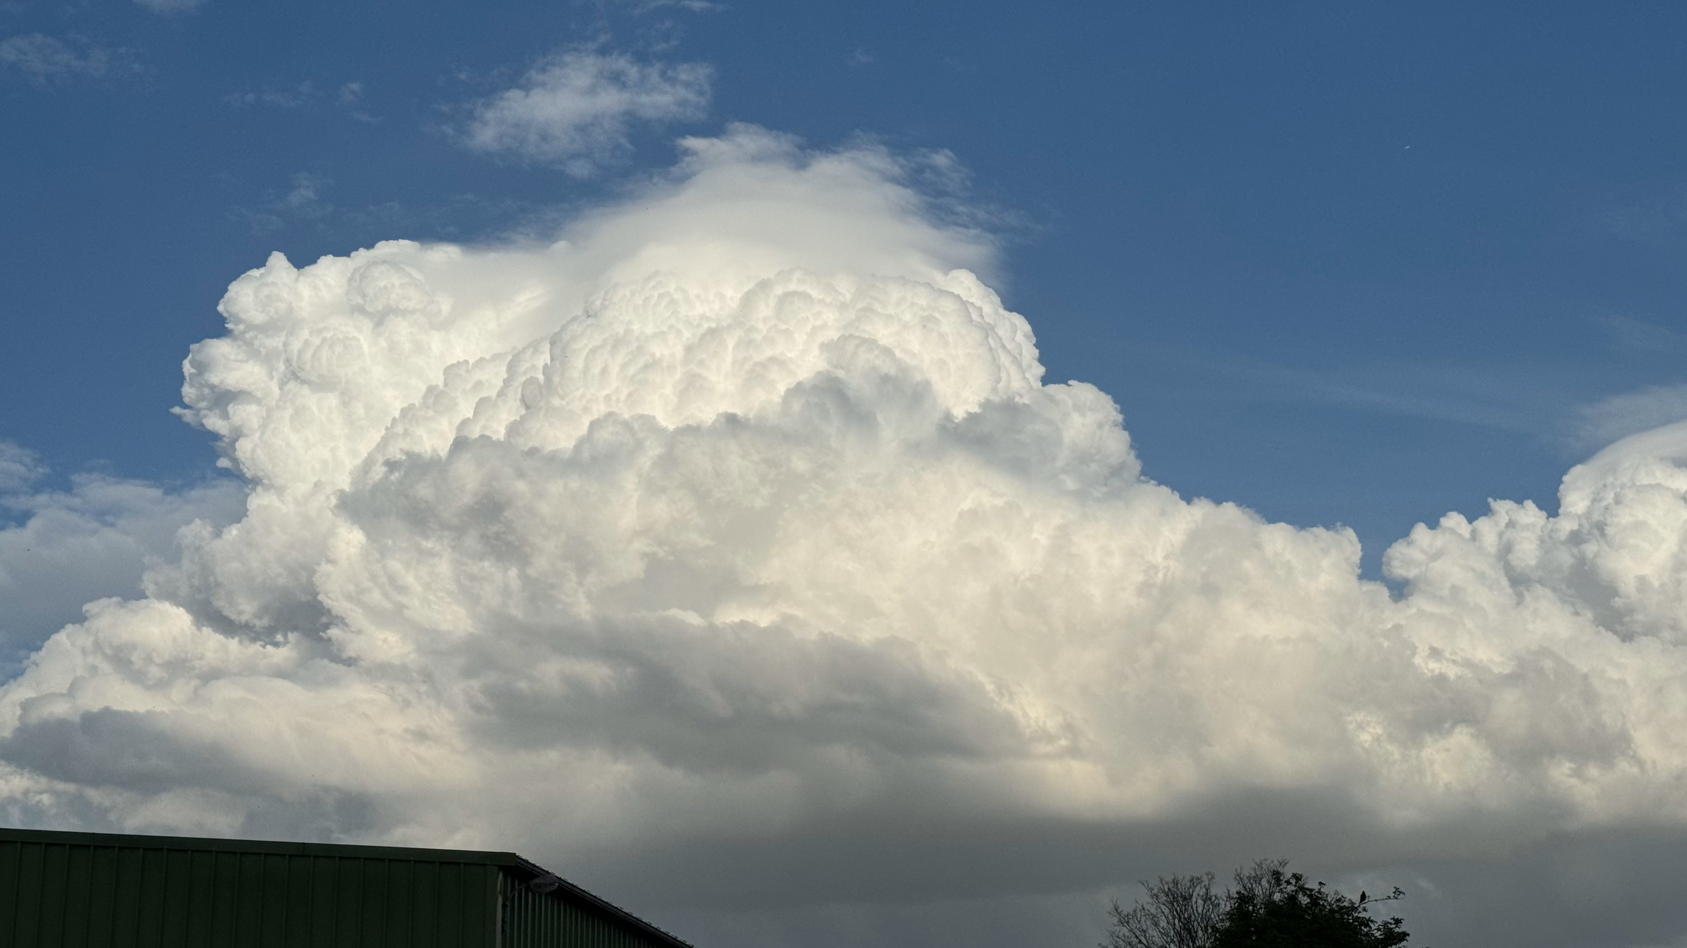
(95, 890)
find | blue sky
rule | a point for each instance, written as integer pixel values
(1342, 264)
(1339, 264)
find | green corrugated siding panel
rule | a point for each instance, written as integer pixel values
(74, 895)
(535, 920)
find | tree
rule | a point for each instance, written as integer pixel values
(1266, 907)
(1181, 912)
(1285, 912)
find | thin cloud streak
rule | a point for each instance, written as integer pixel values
(1615, 417)
(168, 7)
(1502, 398)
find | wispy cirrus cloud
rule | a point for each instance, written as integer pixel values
(1599, 423)
(576, 110)
(643, 7)
(43, 59)
(1514, 397)
(347, 97)
(170, 6)
(1642, 212)
(1639, 336)
(288, 97)
(301, 201)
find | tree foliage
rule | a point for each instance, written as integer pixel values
(1181, 912)
(1292, 914)
(1266, 907)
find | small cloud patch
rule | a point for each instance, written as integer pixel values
(45, 60)
(576, 110)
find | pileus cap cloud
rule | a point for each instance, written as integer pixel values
(742, 512)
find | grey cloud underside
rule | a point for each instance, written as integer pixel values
(738, 529)
(1592, 888)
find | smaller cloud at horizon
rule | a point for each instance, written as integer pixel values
(576, 109)
(43, 59)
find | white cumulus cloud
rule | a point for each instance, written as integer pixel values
(93, 540)
(576, 109)
(738, 531)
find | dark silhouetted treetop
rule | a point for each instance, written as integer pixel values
(1288, 913)
(1266, 907)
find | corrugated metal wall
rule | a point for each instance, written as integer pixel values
(543, 920)
(93, 896)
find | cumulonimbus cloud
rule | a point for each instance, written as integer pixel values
(576, 109)
(738, 527)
